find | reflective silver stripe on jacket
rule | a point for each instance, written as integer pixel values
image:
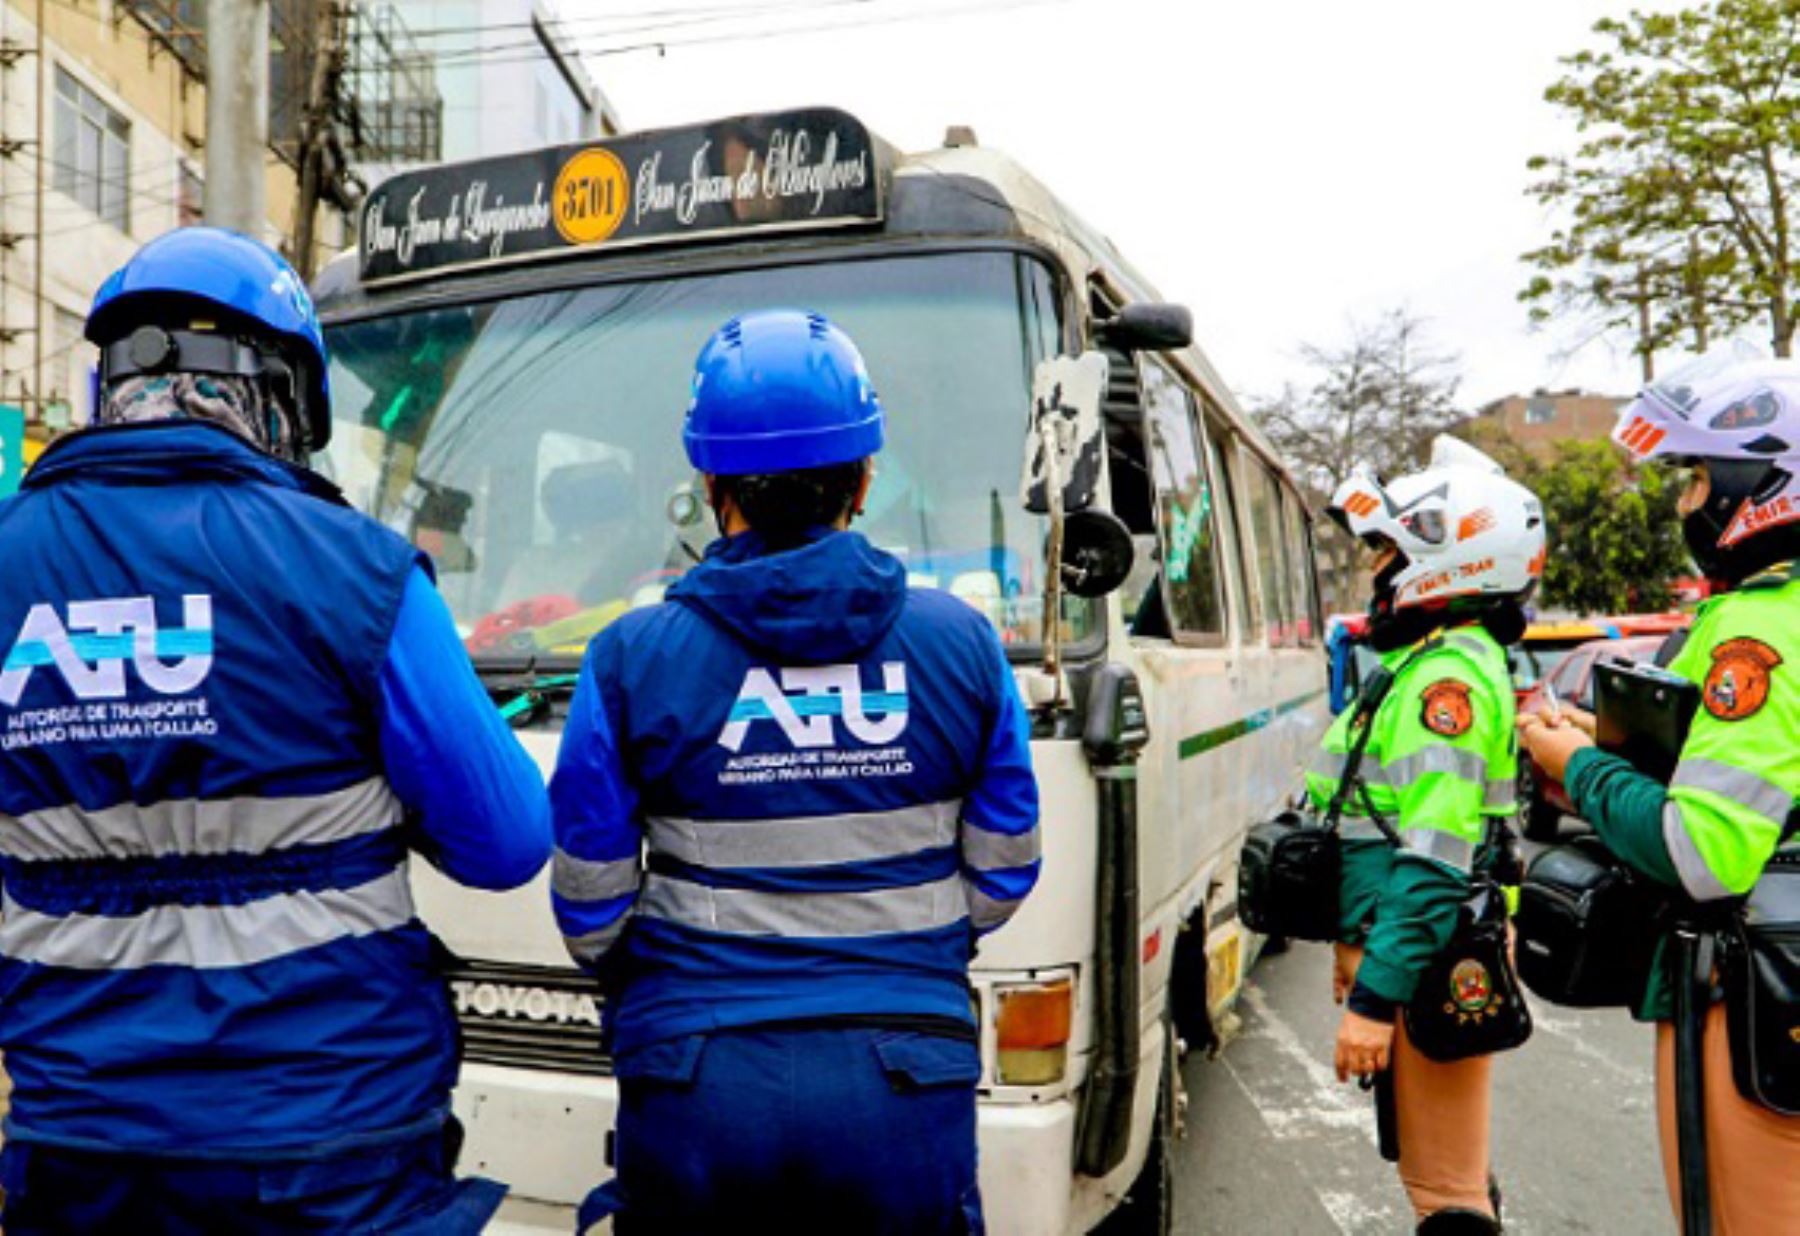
(746, 912)
(200, 826)
(987, 912)
(1403, 771)
(1330, 764)
(1473, 647)
(590, 948)
(206, 937)
(1502, 792)
(806, 841)
(1696, 877)
(580, 879)
(986, 850)
(1744, 788)
(1446, 848)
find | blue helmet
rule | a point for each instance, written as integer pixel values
(215, 273)
(780, 390)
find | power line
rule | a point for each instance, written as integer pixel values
(723, 15)
(678, 17)
(487, 56)
(137, 173)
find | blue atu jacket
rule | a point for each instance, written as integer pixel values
(796, 790)
(229, 706)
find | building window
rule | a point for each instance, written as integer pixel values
(190, 199)
(1540, 410)
(93, 152)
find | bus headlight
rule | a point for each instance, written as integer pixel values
(1031, 1022)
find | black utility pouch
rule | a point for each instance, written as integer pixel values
(1288, 877)
(1588, 927)
(1468, 1002)
(1761, 969)
(1290, 867)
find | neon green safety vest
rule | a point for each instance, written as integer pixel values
(1441, 763)
(1739, 776)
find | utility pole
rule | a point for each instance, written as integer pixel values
(40, 174)
(316, 151)
(237, 113)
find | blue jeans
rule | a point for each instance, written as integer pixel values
(401, 1189)
(798, 1130)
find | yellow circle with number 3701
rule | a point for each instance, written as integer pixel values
(588, 202)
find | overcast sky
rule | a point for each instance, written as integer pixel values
(1278, 165)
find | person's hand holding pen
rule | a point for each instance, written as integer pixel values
(1553, 735)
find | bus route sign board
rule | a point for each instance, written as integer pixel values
(787, 170)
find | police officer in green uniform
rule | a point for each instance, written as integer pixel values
(1712, 830)
(1458, 549)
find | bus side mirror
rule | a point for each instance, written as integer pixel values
(1148, 327)
(1064, 445)
(1097, 552)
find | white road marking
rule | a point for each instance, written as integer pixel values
(1328, 1104)
(1575, 1035)
(1302, 1100)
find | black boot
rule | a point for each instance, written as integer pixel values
(1459, 1222)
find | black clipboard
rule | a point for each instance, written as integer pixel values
(1643, 713)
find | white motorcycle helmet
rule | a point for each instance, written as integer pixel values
(1740, 415)
(1467, 536)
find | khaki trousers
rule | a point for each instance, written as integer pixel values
(1752, 1154)
(1443, 1112)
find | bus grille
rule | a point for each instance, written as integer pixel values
(529, 1017)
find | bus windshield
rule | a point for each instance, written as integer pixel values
(532, 444)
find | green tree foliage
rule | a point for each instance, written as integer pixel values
(1615, 537)
(1678, 201)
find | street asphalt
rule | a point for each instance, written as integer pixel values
(1275, 1145)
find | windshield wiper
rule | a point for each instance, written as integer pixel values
(532, 692)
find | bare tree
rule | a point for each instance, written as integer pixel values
(1375, 400)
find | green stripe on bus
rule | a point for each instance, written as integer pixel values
(1208, 740)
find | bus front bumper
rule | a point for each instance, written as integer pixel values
(545, 1135)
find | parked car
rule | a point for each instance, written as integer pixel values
(1542, 648)
(1543, 800)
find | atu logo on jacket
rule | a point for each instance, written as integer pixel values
(90, 650)
(824, 693)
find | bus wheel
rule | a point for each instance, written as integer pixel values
(1148, 1207)
(1188, 987)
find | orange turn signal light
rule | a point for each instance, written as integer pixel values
(1036, 1017)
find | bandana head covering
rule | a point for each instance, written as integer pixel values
(239, 404)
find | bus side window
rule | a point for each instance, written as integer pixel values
(1271, 570)
(1315, 603)
(1128, 475)
(1231, 453)
(1237, 584)
(1298, 544)
(1186, 510)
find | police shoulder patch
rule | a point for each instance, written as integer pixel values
(1737, 686)
(1447, 709)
